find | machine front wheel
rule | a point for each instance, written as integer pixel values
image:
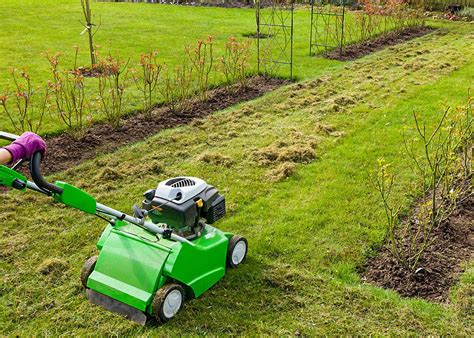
(237, 251)
(167, 302)
(87, 269)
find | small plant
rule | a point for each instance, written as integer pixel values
(384, 182)
(235, 61)
(381, 17)
(407, 239)
(24, 107)
(68, 90)
(436, 165)
(177, 87)
(111, 90)
(184, 82)
(88, 27)
(147, 80)
(464, 135)
(202, 62)
(437, 156)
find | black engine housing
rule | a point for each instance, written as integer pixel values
(186, 214)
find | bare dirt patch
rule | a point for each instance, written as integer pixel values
(439, 267)
(358, 50)
(91, 72)
(65, 152)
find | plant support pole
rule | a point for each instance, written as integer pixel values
(291, 39)
(311, 29)
(257, 14)
(342, 26)
(88, 26)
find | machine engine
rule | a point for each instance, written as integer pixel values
(182, 202)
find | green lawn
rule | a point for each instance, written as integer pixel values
(309, 235)
(32, 28)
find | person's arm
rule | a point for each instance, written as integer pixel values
(22, 148)
(5, 156)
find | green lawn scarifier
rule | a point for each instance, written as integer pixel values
(146, 269)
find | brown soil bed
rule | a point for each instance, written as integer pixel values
(439, 267)
(227, 4)
(90, 72)
(359, 50)
(64, 152)
(255, 35)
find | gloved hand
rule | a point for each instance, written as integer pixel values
(25, 146)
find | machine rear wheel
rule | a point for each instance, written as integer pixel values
(237, 251)
(87, 269)
(167, 302)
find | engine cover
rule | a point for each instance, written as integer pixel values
(175, 202)
(180, 189)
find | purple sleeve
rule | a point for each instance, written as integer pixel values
(25, 146)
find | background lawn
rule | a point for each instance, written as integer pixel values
(32, 28)
(309, 235)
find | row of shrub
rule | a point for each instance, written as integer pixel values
(371, 18)
(441, 159)
(73, 94)
(382, 16)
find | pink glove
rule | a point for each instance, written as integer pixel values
(25, 146)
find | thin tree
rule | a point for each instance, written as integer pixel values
(88, 26)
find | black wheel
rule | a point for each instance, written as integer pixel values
(237, 251)
(167, 302)
(87, 269)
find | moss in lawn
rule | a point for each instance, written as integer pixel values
(295, 148)
(328, 130)
(108, 174)
(215, 158)
(281, 172)
(15, 244)
(284, 277)
(53, 267)
(344, 101)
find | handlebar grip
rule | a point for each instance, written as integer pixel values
(8, 136)
(35, 170)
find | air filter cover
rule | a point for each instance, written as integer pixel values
(180, 189)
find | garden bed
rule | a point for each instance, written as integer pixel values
(209, 3)
(440, 265)
(358, 50)
(65, 152)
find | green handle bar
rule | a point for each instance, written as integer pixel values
(67, 194)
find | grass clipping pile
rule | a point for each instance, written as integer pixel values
(282, 156)
(361, 49)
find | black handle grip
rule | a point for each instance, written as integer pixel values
(35, 170)
(8, 136)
